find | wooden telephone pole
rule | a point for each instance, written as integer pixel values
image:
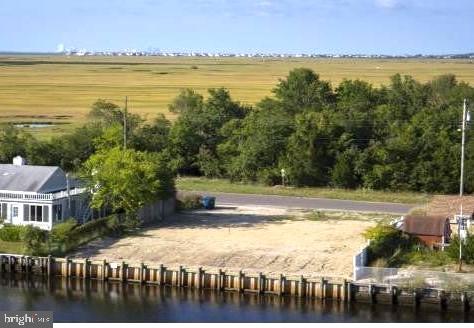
(125, 123)
(465, 118)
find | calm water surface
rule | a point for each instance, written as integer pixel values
(94, 301)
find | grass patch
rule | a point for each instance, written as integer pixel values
(11, 247)
(353, 216)
(221, 185)
(427, 258)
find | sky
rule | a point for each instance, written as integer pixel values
(239, 26)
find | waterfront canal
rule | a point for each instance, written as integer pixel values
(74, 300)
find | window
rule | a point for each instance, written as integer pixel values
(57, 212)
(45, 213)
(3, 210)
(36, 213)
(73, 208)
(26, 212)
(15, 212)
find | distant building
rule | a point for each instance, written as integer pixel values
(39, 195)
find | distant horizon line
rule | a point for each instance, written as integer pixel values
(85, 52)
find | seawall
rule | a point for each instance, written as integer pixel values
(343, 290)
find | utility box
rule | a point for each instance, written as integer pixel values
(208, 202)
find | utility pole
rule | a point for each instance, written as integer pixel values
(461, 182)
(125, 124)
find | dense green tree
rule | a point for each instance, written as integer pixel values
(152, 137)
(196, 133)
(12, 143)
(343, 173)
(76, 147)
(310, 151)
(187, 101)
(261, 141)
(126, 180)
(303, 90)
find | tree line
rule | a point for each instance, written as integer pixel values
(400, 136)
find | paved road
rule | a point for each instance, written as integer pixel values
(310, 203)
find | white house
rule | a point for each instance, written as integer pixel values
(39, 195)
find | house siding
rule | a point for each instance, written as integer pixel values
(48, 208)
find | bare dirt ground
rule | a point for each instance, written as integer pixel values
(266, 239)
(449, 205)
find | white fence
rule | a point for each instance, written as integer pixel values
(409, 278)
(360, 260)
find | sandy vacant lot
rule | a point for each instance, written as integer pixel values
(270, 240)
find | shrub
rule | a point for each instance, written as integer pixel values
(467, 249)
(427, 257)
(62, 232)
(342, 174)
(35, 240)
(388, 243)
(188, 201)
(269, 176)
(11, 232)
(69, 235)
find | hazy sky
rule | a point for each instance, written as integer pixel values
(293, 26)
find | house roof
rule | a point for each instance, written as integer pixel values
(32, 178)
(425, 225)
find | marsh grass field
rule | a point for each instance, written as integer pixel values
(61, 89)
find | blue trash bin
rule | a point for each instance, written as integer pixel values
(208, 202)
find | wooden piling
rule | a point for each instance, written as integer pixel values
(465, 301)
(281, 285)
(50, 266)
(241, 281)
(349, 291)
(68, 267)
(199, 278)
(142, 273)
(260, 283)
(302, 287)
(394, 293)
(10, 264)
(85, 268)
(123, 273)
(442, 299)
(160, 275)
(104, 271)
(179, 276)
(220, 280)
(322, 287)
(371, 293)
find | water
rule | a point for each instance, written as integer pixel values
(34, 125)
(94, 301)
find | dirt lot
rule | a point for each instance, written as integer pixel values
(270, 240)
(448, 205)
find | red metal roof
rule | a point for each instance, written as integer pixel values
(426, 225)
